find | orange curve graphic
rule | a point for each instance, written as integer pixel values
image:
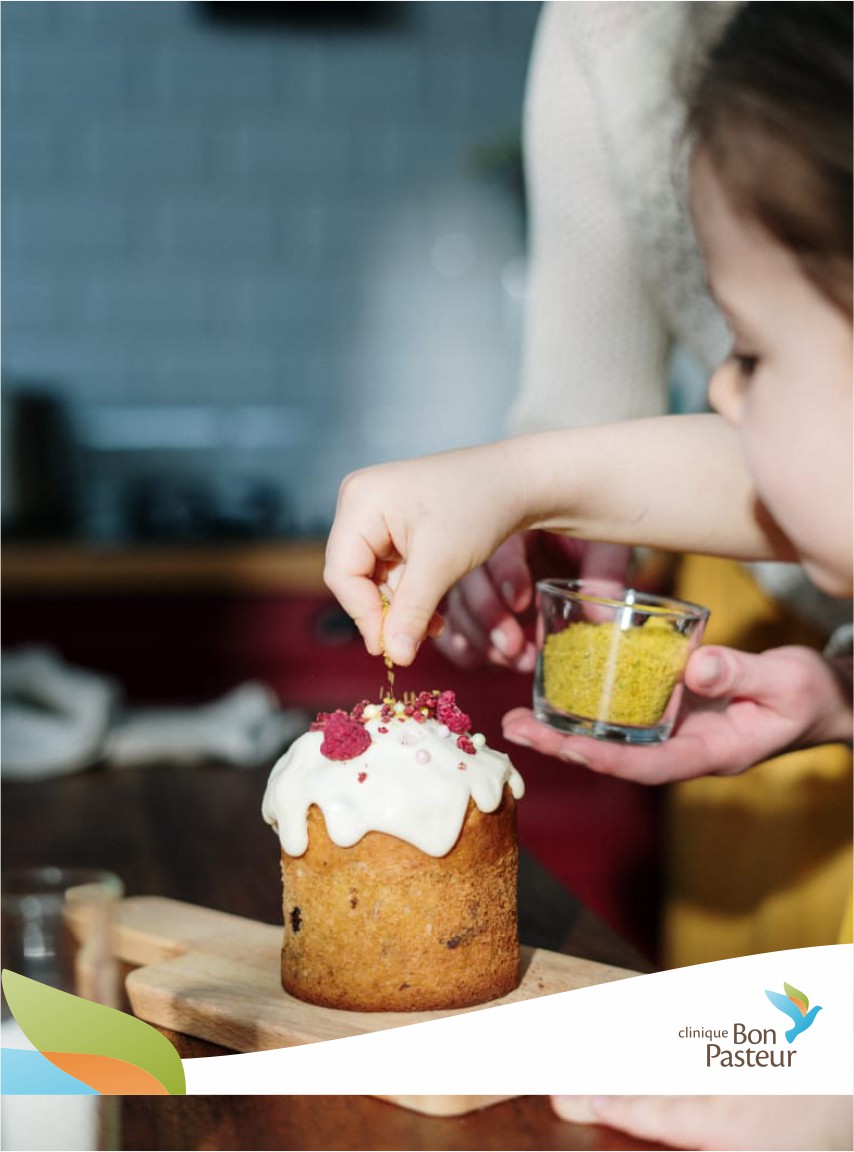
(108, 1075)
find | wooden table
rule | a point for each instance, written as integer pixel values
(196, 834)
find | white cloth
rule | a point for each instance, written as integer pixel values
(53, 717)
(57, 719)
(245, 728)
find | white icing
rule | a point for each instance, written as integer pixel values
(390, 787)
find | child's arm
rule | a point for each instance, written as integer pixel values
(673, 482)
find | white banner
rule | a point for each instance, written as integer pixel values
(779, 1022)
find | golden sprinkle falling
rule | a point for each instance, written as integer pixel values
(387, 695)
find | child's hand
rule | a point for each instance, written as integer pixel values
(719, 1122)
(745, 709)
(417, 526)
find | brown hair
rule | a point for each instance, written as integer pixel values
(772, 111)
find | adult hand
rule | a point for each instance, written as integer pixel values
(743, 709)
(719, 1122)
(482, 611)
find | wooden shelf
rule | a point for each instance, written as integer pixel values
(58, 569)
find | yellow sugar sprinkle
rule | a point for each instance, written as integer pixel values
(621, 676)
(389, 697)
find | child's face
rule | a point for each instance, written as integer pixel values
(787, 385)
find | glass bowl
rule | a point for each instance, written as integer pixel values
(610, 660)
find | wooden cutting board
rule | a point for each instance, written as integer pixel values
(216, 976)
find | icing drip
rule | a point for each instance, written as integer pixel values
(406, 783)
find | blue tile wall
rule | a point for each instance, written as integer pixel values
(281, 230)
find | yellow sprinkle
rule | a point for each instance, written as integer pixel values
(386, 658)
(621, 676)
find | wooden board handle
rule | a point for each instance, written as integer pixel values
(151, 929)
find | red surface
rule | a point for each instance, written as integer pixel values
(599, 836)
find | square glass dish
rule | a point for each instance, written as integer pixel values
(610, 662)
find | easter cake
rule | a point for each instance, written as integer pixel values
(399, 859)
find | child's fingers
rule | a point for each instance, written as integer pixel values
(412, 613)
(349, 575)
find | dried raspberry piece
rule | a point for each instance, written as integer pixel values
(465, 745)
(362, 777)
(343, 737)
(450, 715)
(425, 702)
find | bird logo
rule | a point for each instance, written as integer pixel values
(796, 1005)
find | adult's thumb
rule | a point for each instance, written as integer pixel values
(715, 672)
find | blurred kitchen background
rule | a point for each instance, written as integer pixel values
(247, 248)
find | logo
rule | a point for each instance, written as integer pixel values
(796, 1005)
(741, 1045)
(84, 1048)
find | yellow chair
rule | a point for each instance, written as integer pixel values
(761, 861)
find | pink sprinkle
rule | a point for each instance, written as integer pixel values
(383, 730)
(461, 766)
(362, 777)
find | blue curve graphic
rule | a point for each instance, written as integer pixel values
(27, 1073)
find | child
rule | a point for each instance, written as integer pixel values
(767, 476)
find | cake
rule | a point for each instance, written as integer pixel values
(399, 859)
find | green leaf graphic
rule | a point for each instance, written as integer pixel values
(792, 991)
(56, 1021)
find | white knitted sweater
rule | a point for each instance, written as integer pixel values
(615, 275)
